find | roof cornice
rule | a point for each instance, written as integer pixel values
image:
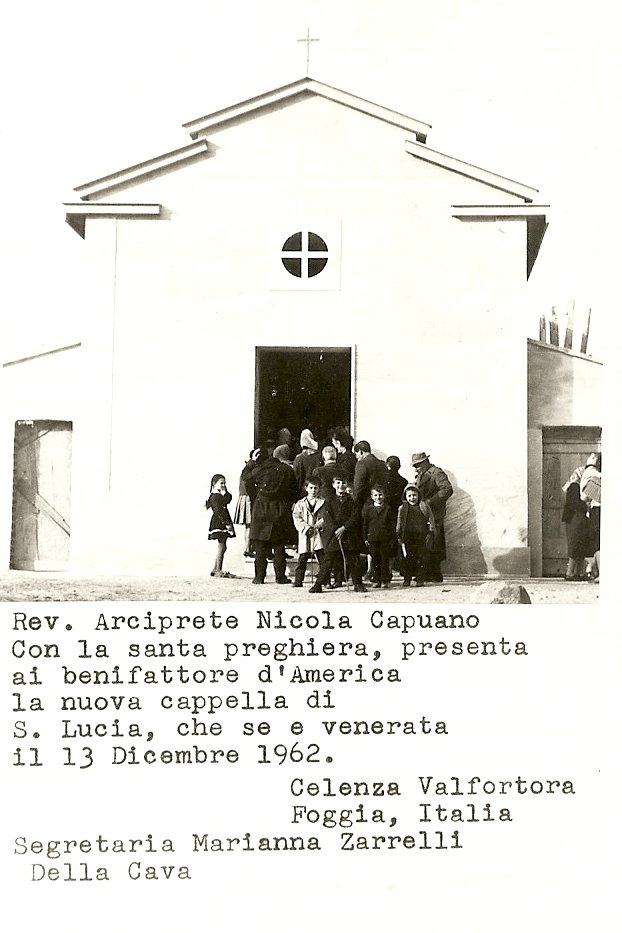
(76, 213)
(500, 211)
(302, 88)
(533, 214)
(135, 172)
(471, 171)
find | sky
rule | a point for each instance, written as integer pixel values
(525, 90)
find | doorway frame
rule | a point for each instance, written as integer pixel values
(308, 349)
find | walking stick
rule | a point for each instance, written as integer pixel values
(345, 567)
(311, 559)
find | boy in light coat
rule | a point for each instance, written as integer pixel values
(308, 515)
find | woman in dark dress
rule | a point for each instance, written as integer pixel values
(578, 535)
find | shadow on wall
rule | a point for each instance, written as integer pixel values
(511, 563)
(464, 550)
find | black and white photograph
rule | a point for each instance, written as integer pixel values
(299, 273)
(306, 354)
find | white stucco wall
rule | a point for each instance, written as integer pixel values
(430, 304)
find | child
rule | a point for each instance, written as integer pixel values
(220, 526)
(341, 537)
(575, 517)
(308, 520)
(379, 534)
(414, 523)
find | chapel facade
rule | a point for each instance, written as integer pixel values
(304, 260)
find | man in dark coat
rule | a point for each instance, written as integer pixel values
(369, 471)
(272, 526)
(396, 484)
(342, 441)
(435, 490)
(327, 471)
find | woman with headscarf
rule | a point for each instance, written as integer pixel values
(247, 495)
(307, 460)
(590, 493)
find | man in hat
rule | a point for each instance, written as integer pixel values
(435, 490)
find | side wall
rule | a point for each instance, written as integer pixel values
(564, 389)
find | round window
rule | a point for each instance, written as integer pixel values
(304, 254)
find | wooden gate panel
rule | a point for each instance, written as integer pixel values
(40, 535)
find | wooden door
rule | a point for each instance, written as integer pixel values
(40, 530)
(563, 450)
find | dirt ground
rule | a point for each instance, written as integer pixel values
(27, 586)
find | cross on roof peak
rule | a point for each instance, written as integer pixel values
(308, 40)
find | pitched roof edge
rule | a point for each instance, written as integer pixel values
(306, 85)
(471, 171)
(37, 354)
(99, 185)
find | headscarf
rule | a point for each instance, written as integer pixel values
(307, 439)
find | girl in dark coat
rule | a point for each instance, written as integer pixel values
(378, 523)
(415, 523)
(578, 535)
(220, 526)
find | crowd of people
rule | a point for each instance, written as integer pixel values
(353, 512)
(361, 519)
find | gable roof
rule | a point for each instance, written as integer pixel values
(200, 128)
(305, 87)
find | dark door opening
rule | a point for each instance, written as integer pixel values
(41, 495)
(301, 387)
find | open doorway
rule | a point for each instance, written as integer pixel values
(302, 387)
(41, 495)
